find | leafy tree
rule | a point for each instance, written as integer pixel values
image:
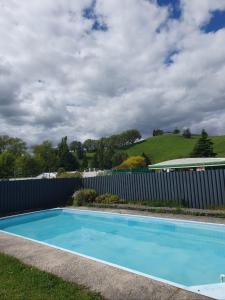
(157, 132)
(27, 166)
(131, 136)
(203, 147)
(7, 160)
(47, 156)
(187, 133)
(78, 149)
(132, 162)
(94, 162)
(147, 159)
(66, 159)
(84, 162)
(107, 158)
(14, 145)
(176, 131)
(90, 145)
(118, 158)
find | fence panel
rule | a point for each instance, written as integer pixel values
(195, 189)
(22, 195)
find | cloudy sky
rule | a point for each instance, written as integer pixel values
(89, 68)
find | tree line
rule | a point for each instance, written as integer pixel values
(105, 153)
(17, 161)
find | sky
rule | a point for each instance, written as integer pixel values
(91, 68)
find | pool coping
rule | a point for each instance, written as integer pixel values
(153, 281)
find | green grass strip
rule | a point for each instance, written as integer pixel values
(19, 281)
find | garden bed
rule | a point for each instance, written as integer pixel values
(167, 210)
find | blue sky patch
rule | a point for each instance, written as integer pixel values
(89, 13)
(169, 60)
(216, 22)
(175, 9)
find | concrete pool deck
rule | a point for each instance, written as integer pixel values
(111, 282)
(178, 216)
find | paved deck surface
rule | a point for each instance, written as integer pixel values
(160, 215)
(111, 282)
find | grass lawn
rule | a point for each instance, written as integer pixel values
(170, 146)
(20, 281)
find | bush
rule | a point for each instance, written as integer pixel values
(84, 196)
(107, 198)
(69, 175)
(132, 163)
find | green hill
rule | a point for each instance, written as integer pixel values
(171, 146)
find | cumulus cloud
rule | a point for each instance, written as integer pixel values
(90, 68)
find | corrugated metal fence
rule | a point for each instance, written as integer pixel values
(195, 189)
(22, 195)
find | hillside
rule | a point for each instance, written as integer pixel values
(171, 146)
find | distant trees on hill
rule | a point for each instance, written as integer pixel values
(203, 147)
(115, 141)
(157, 132)
(176, 131)
(187, 133)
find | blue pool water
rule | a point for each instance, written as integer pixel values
(186, 253)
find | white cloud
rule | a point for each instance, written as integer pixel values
(59, 77)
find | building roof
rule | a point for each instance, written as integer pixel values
(189, 163)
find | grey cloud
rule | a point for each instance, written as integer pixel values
(57, 77)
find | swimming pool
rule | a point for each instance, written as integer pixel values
(182, 253)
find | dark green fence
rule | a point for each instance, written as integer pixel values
(22, 195)
(195, 189)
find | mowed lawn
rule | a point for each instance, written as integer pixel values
(23, 282)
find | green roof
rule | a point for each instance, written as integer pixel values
(189, 163)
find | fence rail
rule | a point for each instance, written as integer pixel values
(195, 189)
(22, 195)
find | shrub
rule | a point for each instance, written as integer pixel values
(84, 196)
(60, 171)
(69, 175)
(132, 163)
(107, 198)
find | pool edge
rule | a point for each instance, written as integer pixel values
(158, 279)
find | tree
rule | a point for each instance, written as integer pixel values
(84, 162)
(157, 132)
(7, 160)
(94, 162)
(176, 131)
(147, 159)
(203, 147)
(47, 156)
(132, 162)
(90, 145)
(14, 145)
(118, 158)
(107, 158)
(66, 159)
(131, 136)
(78, 149)
(187, 133)
(27, 166)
